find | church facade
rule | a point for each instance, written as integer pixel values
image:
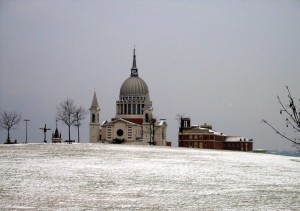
(134, 122)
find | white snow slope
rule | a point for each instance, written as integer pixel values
(122, 177)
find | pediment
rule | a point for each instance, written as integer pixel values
(120, 120)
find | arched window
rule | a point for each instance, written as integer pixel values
(93, 117)
(146, 118)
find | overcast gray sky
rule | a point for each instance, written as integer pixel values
(219, 62)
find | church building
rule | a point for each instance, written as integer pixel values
(134, 122)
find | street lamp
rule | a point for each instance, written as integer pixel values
(26, 120)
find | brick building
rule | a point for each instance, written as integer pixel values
(204, 137)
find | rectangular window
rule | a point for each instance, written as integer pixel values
(109, 133)
(129, 133)
(129, 108)
(118, 109)
(138, 108)
(134, 108)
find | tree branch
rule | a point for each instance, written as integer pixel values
(279, 133)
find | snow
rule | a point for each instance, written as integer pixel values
(114, 177)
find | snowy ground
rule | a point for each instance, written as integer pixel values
(114, 177)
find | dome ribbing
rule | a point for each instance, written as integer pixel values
(134, 86)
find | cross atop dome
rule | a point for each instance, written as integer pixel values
(134, 69)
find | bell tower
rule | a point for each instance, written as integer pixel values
(148, 110)
(148, 122)
(94, 120)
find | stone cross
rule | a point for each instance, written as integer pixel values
(45, 131)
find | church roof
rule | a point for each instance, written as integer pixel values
(126, 121)
(161, 123)
(134, 85)
(236, 139)
(138, 121)
(95, 102)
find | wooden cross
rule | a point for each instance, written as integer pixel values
(45, 131)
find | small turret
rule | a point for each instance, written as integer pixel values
(184, 123)
(56, 136)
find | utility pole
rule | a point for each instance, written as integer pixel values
(153, 130)
(26, 120)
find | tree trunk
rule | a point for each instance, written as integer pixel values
(8, 138)
(69, 132)
(78, 133)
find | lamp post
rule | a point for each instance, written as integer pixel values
(26, 120)
(148, 118)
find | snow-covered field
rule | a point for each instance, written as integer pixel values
(122, 177)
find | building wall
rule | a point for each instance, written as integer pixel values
(131, 132)
(220, 145)
(159, 136)
(239, 146)
(94, 132)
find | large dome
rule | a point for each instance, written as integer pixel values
(134, 97)
(134, 86)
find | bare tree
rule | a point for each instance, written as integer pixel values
(151, 130)
(66, 113)
(179, 117)
(80, 114)
(8, 120)
(292, 119)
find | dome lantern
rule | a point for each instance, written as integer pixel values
(134, 69)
